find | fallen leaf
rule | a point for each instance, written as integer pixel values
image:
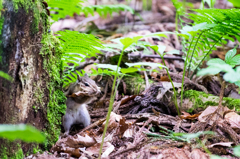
(77, 141)
(113, 121)
(224, 144)
(188, 116)
(233, 119)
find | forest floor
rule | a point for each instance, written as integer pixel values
(144, 122)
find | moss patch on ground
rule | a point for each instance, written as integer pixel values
(202, 100)
(135, 83)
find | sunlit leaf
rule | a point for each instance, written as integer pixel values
(151, 64)
(129, 70)
(6, 76)
(236, 151)
(229, 55)
(109, 66)
(23, 132)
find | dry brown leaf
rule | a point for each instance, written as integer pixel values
(122, 127)
(210, 110)
(128, 133)
(113, 121)
(197, 154)
(77, 141)
(224, 144)
(126, 99)
(188, 116)
(94, 150)
(72, 151)
(233, 119)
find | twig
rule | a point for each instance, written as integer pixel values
(146, 80)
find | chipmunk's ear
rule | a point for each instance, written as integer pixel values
(79, 78)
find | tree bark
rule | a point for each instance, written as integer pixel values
(32, 57)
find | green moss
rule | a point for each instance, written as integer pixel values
(36, 150)
(203, 100)
(51, 52)
(135, 83)
(19, 154)
(36, 8)
(3, 155)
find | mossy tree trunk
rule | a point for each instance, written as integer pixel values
(31, 56)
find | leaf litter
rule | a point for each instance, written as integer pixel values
(145, 124)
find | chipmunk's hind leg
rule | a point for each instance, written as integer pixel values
(84, 116)
(67, 123)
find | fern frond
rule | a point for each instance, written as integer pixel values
(227, 20)
(213, 26)
(69, 7)
(64, 8)
(104, 10)
(76, 47)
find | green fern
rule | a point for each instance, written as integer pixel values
(64, 8)
(69, 7)
(104, 10)
(211, 28)
(76, 47)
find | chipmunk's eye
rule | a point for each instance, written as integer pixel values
(86, 84)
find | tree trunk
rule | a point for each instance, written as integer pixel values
(32, 56)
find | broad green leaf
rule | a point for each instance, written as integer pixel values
(232, 77)
(209, 71)
(234, 61)
(6, 76)
(215, 61)
(235, 3)
(217, 157)
(229, 55)
(157, 48)
(236, 151)
(23, 132)
(238, 69)
(129, 70)
(129, 41)
(151, 64)
(109, 66)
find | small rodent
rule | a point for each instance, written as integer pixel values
(77, 106)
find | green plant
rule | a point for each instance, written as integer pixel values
(160, 51)
(210, 28)
(209, 2)
(217, 65)
(124, 43)
(6, 76)
(236, 3)
(64, 8)
(104, 10)
(181, 8)
(23, 132)
(76, 47)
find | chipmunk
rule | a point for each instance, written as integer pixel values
(77, 106)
